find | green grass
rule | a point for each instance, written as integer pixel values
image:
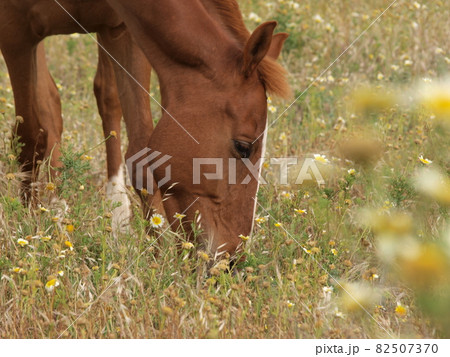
(130, 286)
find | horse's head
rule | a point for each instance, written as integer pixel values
(226, 113)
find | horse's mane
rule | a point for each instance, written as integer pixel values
(273, 75)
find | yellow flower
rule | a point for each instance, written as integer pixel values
(51, 285)
(400, 310)
(70, 228)
(244, 238)
(434, 184)
(272, 109)
(55, 219)
(289, 304)
(425, 161)
(203, 256)
(286, 195)
(43, 209)
(10, 176)
(283, 136)
(187, 245)
(334, 251)
(179, 215)
(278, 224)
(261, 219)
(113, 133)
(22, 242)
(68, 244)
(86, 157)
(300, 211)
(156, 220)
(50, 186)
(321, 158)
(351, 172)
(46, 238)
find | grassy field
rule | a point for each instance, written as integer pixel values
(366, 255)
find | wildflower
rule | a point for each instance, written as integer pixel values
(278, 224)
(357, 296)
(187, 245)
(327, 289)
(338, 313)
(68, 244)
(334, 251)
(46, 238)
(61, 273)
(434, 184)
(351, 172)
(400, 310)
(156, 220)
(81, 188)
(51, 285)
(425, 161)
(289, 304)
(203, 256)
(321, 158)
(317, 18)
(55, 219)
(286, 195)
(10, 176)
(300, 211)
(179, 215)
(22, 242)
(394, 67)
(244, 238)
(86, 158)
(254, 17)
(43, 209)
(408, 63)
(439, 51)
(50, 187)
(70, 228)
(283, 136)
(261, 219)
(417, 5)
(113, 133)
(380, 76)
(272, 109)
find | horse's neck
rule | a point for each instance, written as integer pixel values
(176, 33)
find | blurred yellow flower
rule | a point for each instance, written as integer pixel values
(244, 238)
(400, 310)
(425, 161)
(434, 184)
(46, 238)
(68, 244)
(70, 228)
(22, 242)
(300, 211)
(179, 215)
(321, 158)
(51, 285)
(187, 245)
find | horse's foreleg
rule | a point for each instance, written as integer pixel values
(108, 103)
(132, 73)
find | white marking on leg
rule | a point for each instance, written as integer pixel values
(116, 192)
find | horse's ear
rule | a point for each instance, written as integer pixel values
(277, 44)
(257, 46)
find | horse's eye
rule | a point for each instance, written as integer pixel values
(243, 148)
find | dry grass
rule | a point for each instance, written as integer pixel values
(130, 287)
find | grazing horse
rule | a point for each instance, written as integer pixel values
(23, 26)
(213, 74)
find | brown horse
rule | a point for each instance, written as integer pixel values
(213, 75)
